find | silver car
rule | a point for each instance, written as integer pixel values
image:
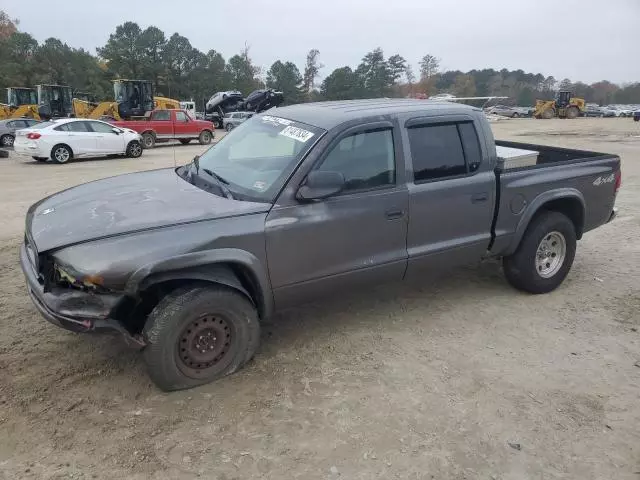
(233, 119)
(8, 129)
(507, 111)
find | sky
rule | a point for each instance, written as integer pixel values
(587, 40)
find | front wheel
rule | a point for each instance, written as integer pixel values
(199, 334)
(134, 149)
(205, 137)
(229, 127)
(148, 140)
(545, 254)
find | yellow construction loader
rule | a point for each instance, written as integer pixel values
(21, 103)
(564, 106)
(133, 98)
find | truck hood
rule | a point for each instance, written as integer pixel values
(125, 204)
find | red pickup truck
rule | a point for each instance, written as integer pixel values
(165, 125)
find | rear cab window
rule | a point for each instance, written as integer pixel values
(161, 115)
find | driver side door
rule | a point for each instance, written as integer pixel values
(356, 237)
(107, 140)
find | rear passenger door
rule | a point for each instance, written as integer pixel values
(82, 140)
(451, 193)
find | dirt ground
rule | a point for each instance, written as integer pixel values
(456, 377)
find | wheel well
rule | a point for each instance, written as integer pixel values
(149, 131)
(134, 312)
(572, 208)
(207, 130)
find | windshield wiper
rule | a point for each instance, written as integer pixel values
(222, 183)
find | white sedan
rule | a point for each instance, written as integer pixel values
(64, 139)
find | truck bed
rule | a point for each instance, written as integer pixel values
(551, 155)
(584, 180)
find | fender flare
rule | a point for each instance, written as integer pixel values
(212, 266)
(536, 205)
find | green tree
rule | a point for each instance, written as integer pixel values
(18, 60)
(7, 26)
(565, 84)
(242, 73)
(152, 43)
(52, 58)
(429, 66)
(179, 59)
(123, 52)
(375, 74)
(342, 84)
(286, 78)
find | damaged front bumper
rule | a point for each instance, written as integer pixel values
(73, 310)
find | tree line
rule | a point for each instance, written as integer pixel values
(181, 71)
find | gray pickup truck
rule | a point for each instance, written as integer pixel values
(313, 199)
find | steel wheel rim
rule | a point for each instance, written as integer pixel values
(7, 141)
(136, 150)
(61, 154)
(203, 344)
(205, 137)
(148, 141)
(550, 254)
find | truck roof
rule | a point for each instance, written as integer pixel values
(330, 114)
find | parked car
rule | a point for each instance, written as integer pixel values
(508, 111)
(64, 139)
(8, 129)
(611, 111)
(318, 199)
(165, 125)
(592, 111)
(233, 119)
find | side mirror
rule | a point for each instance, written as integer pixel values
(321, 185)
(117, 131)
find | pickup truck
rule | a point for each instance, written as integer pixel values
(320, 199)
(165, 125)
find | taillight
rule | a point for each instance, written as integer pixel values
(33, 136)
(618, 181)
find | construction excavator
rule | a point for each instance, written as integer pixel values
(565, 105)
(22, 102)
(133, 98)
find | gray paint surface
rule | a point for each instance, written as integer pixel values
(141, 228)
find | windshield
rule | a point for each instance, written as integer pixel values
(21, 96)
(255, 158)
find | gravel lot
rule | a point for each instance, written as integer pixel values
(456, 377)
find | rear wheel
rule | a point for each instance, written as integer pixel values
(205, 137)
(573, 112)
(217, 124)
(6, 140)
(61, 154)
(198, 334)
(185, 141)
(545, 254)
(148, 140)
(134, 149)
(515, 115)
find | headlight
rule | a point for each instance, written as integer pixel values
(66, 275)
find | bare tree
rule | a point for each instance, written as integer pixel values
(311, 71)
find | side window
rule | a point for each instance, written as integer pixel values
(100, 127)
(436, 152)
(62, 128)
(162, 115)
(471, 145)
(181, 117)
(11, 124)
(78, 127)
(367, 160)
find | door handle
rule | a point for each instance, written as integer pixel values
(394, 213)
(479, 197)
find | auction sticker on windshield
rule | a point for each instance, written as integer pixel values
(276, 120)
(296, 133)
